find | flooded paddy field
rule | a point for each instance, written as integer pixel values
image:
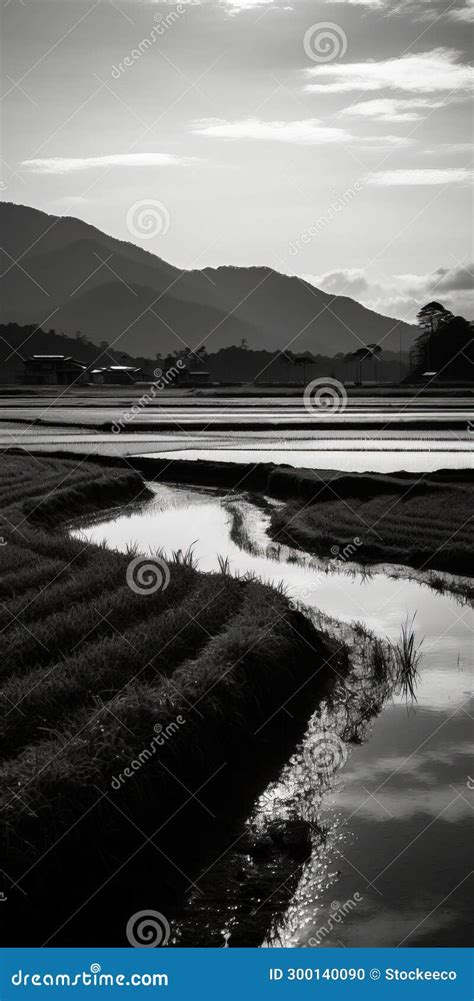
(412, 430)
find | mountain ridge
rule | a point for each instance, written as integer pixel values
(55, 266)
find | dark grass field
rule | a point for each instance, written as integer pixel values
(431, 529)
(90, 673)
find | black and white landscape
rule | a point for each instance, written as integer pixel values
(236, 420)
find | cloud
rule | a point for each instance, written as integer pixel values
(348, 281)
(448, 148)
(464, 13)
(415, 177)
(237, 6)
(418, 10)
(70, 164)
(401, 295)
(456, 279)
(306, 132)
(420, 73)
(392, 109)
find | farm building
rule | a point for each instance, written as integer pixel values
(121, 375)
(53, 370)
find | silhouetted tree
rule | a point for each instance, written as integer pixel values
(375, 351)
(445, 344)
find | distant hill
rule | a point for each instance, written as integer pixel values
(71, 276)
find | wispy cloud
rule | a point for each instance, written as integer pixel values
(392, 109)
(421, 73)
(237, 6)
(418, 10)
(448, 149)
(70, 164)
(307, 132)
(449, 175)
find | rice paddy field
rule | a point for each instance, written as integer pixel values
(163, 652)
(96, 666)
(428, 528)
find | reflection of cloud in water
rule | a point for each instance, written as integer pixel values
(395, 769)
(396, 808)
(387, 927)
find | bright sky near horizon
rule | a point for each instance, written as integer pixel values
(330, 140)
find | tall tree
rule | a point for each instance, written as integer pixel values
(375, 351)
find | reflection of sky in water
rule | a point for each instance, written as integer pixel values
(363, 455)
(400, 811)
(381, 602)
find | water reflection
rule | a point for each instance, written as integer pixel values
(379, 455)
(390, 818)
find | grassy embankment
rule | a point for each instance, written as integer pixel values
(91, 672)
(421, 522)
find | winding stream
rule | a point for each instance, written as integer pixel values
(390, 812)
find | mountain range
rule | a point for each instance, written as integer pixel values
(63, 273)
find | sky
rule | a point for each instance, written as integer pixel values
(331, 140)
